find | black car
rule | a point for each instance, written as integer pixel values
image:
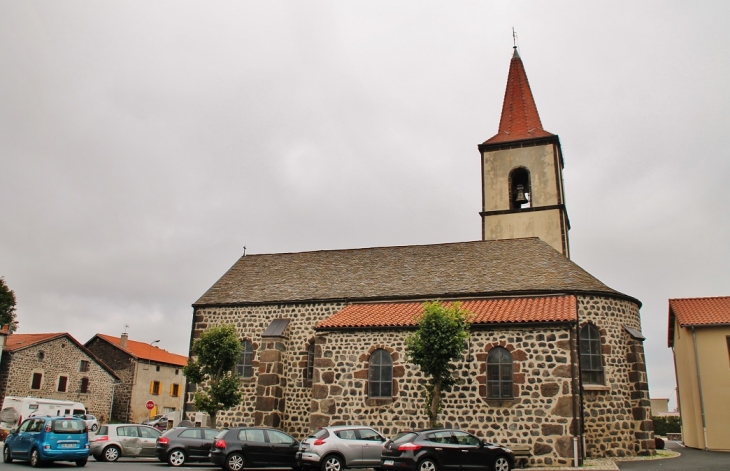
(444, 450)
(254, 447)
(181, 445)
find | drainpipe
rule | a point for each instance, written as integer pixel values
(699, 386)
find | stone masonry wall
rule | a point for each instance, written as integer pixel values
(123, 366)
(61, 357)
(617, 418)
(251, 322)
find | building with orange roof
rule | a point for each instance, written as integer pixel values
(56, 366)
(147, 373)
(699, 336)
(555, 360)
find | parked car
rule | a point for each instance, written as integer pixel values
(254, 447)
(180, 445)
(344, 446)
(159, 422)
(91, 421)
(442, 450)
(43, 439)
(124, 440)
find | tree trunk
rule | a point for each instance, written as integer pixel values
(435, 402)
(212, 416)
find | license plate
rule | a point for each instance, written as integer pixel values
(388, 463)
(68, 445)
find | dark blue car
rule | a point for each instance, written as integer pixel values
(43, 438)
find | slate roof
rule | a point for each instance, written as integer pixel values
(476, 269)
(702, 312)
(520, 119)
(145, 351)
(484, 311)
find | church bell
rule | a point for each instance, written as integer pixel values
(520, 198)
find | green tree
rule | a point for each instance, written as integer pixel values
(7, 307)
(441, 338)
(214, 356)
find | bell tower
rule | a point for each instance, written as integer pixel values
(522, 172)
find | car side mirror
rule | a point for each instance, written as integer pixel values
(13, 429)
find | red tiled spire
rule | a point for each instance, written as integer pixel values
(520, 119)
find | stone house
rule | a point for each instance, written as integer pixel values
(699, 336)
(56, 366)
(556, 358)
(147, 373)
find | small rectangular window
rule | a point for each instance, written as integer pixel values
(84, 388)
(728, 346)
(157, 368)
(84, 366)
(174, 390)
(62, 382)
(155, 388)
(36, 381)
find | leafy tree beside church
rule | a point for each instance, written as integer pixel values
(7, 307)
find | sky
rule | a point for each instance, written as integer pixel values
(143, 144)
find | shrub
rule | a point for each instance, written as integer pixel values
(667, 424)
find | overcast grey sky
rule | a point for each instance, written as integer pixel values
(143, 144)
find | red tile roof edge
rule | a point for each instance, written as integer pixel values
(146, 351)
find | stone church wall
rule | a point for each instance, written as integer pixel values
(61, 357)
(541, 414)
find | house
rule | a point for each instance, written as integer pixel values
(56, 366)
(147, 373)
(699, 336)
(555, 361)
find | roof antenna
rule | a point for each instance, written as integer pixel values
(244, 250)
(125, 328)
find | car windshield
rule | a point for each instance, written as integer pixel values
(68, 426)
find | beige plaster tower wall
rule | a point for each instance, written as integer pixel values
(545, 216)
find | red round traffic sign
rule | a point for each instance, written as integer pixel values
(150, 405)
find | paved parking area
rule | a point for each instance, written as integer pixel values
(691, 460)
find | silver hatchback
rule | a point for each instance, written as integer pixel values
(340, 447)
(124, 440)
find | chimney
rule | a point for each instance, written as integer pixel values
(123, 340)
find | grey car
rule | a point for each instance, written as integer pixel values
(124, 440)
(344, 446)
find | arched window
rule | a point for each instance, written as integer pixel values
(310, 362)
(591, 363)
(380, 374)
(245, 366)
(520, 191)
(499, 374)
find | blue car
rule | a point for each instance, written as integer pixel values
(42, 439)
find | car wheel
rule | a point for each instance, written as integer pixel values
(111, 453)
(234, 462)
(427, 465)
(94, 428)
(81, 463)
(332, 463)
(6, 455)
(35, 458)
(501, 464)
(176, 458)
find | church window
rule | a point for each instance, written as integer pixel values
(380, 374)
(591, 363)
(520, 192)
(245, 366)
(499, 374)
(310, 362)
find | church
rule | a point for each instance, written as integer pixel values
(555, 359)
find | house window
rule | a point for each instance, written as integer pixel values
(591, 363)
(728, 347)
(177, 371)
(62, 382)
(310, 362)
(36, 381)
(41, 355)
(380, 374)
(84, 366)
(157, 367)
(155, 388)
(84, 387)
(499, 374)
(174, 390)
(245, 366)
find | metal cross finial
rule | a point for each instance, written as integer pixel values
(244, 250)
(514, 37)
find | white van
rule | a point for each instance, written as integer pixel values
(15, 409)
